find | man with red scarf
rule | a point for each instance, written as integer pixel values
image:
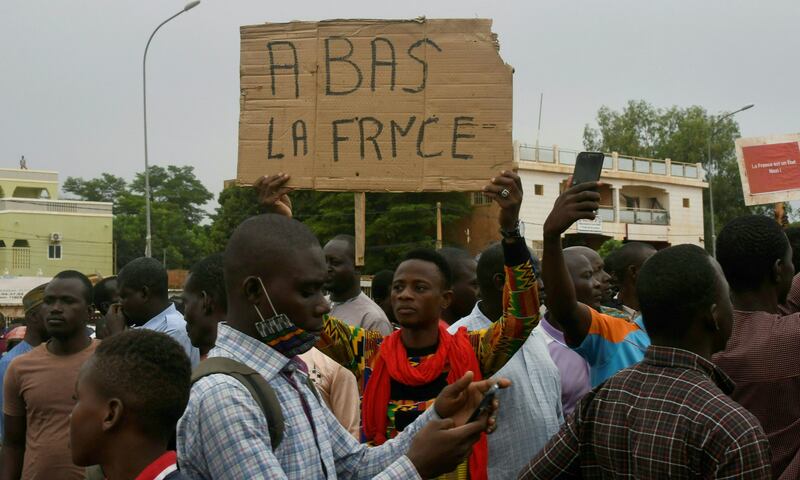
(401, 375)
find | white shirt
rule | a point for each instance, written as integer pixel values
(171, 322)
(531, 409)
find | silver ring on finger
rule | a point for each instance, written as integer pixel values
(505, 193)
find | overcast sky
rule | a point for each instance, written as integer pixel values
(71, 78)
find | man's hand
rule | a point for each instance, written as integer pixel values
(273, 197)
(459, 399)
(439, 447)
(115, 320)
(507, 182)
(576, 203)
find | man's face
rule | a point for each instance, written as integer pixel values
(86, 420)
(134, 304)
(341, 267)
(465, 288)
(112, 289)
(201, 324)
(34, 320)
(65, 309)
(298, 292)
(418, 294)
(724, 309)
(603, 278)
(587, 287)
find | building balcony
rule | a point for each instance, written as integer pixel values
(644, 216)
(32, 205)
(614, 162)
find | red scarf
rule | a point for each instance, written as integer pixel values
(392, 363)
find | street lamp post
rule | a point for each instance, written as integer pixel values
(149, 237)
(712, 171)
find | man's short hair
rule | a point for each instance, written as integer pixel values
(149, 372)
(207, 275)
(382, 285)
(102, 292)
(629, 254)
(349, 240)
(429, 255)
(674, 285)
(145, 272)
(261, 243)
(87, 284)
(747, 248)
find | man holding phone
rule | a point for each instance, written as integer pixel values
(608, 343)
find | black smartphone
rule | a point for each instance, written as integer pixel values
(588, 167)
(485, 402)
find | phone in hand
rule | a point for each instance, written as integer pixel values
(588, 167)
(485, 403)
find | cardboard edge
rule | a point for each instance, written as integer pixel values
(751, 199)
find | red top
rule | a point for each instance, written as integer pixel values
(163, 466)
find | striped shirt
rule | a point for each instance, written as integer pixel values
(667, 417)
(223, 434)
(613, 343)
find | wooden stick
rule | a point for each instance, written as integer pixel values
(361, 226)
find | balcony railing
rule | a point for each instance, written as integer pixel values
(606, 214)
(55, 206)
(561, 156)
(644, 216)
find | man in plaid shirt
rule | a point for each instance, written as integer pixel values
(668, 416)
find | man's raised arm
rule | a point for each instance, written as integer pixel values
(576, 203)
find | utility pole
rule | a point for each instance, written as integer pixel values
(438, 225)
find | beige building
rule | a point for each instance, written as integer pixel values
(642, 199)
(41, 235)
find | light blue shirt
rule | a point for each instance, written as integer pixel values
(23, 347)
(223, 434)
(530, 411)
(171, 322)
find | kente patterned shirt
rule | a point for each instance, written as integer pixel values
(355, 348)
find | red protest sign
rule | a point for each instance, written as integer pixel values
(770, 168)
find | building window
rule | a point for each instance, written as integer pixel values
(2, 244)
(685, 203)
(478, 198)
(54, 252)
(21, 257)
(538, 189)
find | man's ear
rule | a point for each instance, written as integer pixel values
(499, 281)
(447, 298)
(252, 289)
(777, 271)
(145, 291)
(208, 303)
(113, 416)
(711, 318)
(632, 273)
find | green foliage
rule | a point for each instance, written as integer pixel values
(176, 213)
(681, 134)
(236, 204)
(609, 246)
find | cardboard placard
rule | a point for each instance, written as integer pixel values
(375, 105)
(769, 168)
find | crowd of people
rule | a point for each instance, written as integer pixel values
(645, 364)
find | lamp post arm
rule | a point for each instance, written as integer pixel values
(148, 236)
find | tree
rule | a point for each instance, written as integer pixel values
(106, 188)
(609, 246)
(176, 213)
(680, 134)
(395, 222)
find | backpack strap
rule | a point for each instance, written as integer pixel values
(258, 387)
